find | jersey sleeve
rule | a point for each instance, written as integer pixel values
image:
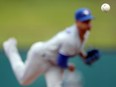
(84, 42)
(67, 48)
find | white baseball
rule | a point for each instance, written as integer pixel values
(105, 7)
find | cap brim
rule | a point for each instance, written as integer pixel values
(87, 18)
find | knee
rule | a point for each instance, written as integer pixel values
(25, 82)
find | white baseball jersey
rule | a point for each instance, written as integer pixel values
(66, 42)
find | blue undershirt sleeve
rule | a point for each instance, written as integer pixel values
(62, 61)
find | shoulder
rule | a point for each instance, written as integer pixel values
(70, 30)
(66, 33)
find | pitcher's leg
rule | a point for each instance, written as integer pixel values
(31, 69)
(54, 77)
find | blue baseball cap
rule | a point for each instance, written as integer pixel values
(83, 14)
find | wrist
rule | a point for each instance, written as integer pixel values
(71, 67)
(83, 55)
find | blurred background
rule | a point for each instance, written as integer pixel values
(38, 20)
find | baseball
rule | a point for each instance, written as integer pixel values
(105, 7)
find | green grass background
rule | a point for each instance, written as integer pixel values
(38, 20)
(34, 20)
